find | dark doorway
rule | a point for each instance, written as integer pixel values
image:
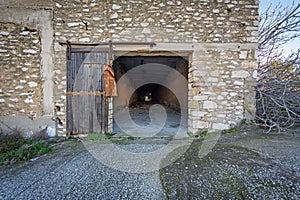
(150, 94)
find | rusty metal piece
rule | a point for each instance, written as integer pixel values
(109, 80)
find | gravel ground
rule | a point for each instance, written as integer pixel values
(243, 166)
(72, 173)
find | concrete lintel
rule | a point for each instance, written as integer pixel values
(188, 47)
(27, 4)
(42, 21)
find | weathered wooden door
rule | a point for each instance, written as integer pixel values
(86, 105)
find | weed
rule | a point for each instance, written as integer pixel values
(107, 135)
(98, 136)
(231, 131)
(13, 150)
(244, 122)
(130, 138)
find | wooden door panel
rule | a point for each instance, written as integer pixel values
(85, 89)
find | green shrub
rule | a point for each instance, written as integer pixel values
(14, 148)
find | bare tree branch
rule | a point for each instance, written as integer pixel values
(278, 88)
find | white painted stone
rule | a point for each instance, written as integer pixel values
(72, 24)
(58, 5)
(93, 4)
(254, 74)
(96, 18)
(4, 33)
(84, 40)
(31, 51)
(197, 113)
(209, 105)
(212, 79)
(234, 62)
(200, 97)
(11, 105)
(25, 33)
(35, 41)
(144, 24)
(243, 55)
(116, 7)
(219, 97)
(2, 100)
(114, 16)
(28, 100)
(23, 81)
(220, 126)
(3, 51)
(32, 84)
(51, 131)
(200, 124)
(24, 69)
(190, 9)
(127, 19)
(238, 83)
(14, 99)
(233, 94)
(215, 10)
(240, 74)
(0, 90)
(234, 103)
(221, 115)
(150, 19)
(220, 84)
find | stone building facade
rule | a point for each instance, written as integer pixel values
(219, 38)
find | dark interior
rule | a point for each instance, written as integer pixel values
(156, 93)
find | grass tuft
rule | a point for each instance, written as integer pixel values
(14, 148)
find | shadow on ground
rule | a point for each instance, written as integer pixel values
(240, 166)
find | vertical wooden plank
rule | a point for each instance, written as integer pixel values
(86, 113)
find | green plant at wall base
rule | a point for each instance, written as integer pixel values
(130, 138)
(20, 150)
(98, 136)
(231, 131)
(243, 122)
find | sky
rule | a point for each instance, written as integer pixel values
(264, 4)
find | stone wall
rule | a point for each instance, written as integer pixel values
(20, 72)
(26, 38)
(219, 36)
(220, 78)
(221, 87)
